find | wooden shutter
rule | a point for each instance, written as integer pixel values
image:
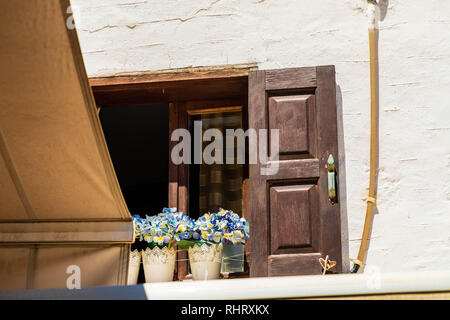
(293, 223)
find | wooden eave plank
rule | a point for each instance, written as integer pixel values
(171, 76)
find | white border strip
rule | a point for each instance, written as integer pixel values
(301, 286)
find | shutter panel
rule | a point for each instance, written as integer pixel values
(293, 223)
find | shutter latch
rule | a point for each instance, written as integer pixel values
(331, 179)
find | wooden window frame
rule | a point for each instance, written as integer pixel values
(186, 93)
(194, 91)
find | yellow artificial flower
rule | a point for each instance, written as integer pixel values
(181, 228)
(159, 240)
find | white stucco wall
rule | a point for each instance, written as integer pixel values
(412, 229)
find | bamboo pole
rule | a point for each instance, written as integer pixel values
(371, 199)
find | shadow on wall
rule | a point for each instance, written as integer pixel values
(383, 5)
(342, 186)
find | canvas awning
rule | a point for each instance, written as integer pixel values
(60, 202)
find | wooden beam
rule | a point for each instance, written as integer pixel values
(186, 74)
(145, 94)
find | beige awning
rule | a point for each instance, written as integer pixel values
(58, 187)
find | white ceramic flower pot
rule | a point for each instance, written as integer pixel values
(205, 261)
(159, 264)
(133, 267)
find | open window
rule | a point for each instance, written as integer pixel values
(293, 223)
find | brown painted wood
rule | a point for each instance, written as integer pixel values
(202, 105)
(293, 78)
(294, 264)
(245, 213)
(246, 194)
(292, 114)
(183, 170)
(258, 203)
(328, 144)
(145, 93)
(292, 211)
(172, 76)
(298, 168)
(183, 194)
(173, 169)
(289, 114)
(293, 223)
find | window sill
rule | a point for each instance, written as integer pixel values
(412, 285)
(294, 287)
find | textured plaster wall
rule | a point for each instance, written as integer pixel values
(412, 229)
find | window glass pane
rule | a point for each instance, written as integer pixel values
(216, 186)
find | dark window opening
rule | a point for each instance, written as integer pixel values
(137, 139)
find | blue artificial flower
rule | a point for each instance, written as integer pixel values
(184, 235)
(224, 226)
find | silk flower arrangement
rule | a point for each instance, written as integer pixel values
(202, 238)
